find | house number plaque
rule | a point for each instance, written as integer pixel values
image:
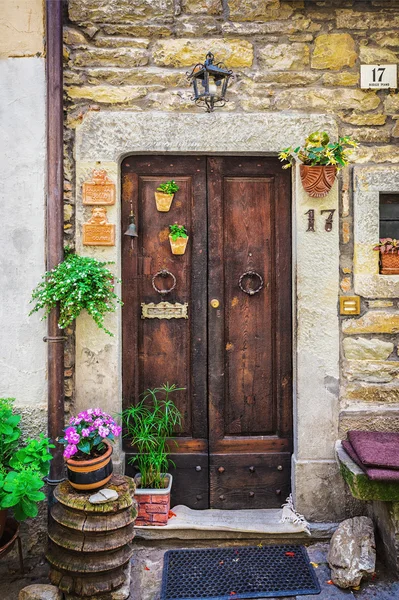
(164, 310)
(100, 190)
(97, 231)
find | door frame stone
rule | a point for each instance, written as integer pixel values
(103, 140)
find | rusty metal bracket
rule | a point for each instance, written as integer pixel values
(53, 339)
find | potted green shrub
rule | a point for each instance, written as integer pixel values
(22, 467)
(389, 256)
(77, 283)
(321, 160)
(150, 424)
(178, 238)
(165, 194)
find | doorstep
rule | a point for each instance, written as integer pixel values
(189, 524)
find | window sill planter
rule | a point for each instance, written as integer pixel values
(163, 201)
(389, 263)
(178, 246)
(317, 181)
(153, 505)
(92, 474)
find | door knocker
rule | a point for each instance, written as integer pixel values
(163, 273)
(251, 291)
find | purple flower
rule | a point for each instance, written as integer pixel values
(116, 430)
(97, 412)
(70, 450)
(71, 436)
(103, 431)
(98, 422)
(85, 432)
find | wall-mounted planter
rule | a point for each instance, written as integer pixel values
(179, 245)
(317, 181)
(153, 505)
(389, 263)
(163, 201)
(92, 474)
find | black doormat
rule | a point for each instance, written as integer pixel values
(233, 573)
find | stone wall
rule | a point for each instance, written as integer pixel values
(295, 57)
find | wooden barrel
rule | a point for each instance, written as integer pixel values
(90, 545)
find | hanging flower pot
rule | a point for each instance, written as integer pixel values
(165, 194)
(178, 238)
(317, 181)
(389, 256)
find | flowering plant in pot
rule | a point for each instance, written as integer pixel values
(150, 424)
(88, 449)
(165, 194)
(321, 160)
(178, 238)
(389, 256)
(22, 467)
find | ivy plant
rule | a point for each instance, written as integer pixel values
(77, 283)
(169, 187)
(177, 231)
(319, 151)
(22, 467)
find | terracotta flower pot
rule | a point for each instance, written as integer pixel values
(317, 181)
(153, 505)
(389, 263)
(178, 246)
(3, 518)
(163, 201)
(92, 474)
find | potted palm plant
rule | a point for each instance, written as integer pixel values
(178, 238)
(321, 160)
(22, 467)
(150, 424)
(389, 256)
(165, 194)
(88, 439)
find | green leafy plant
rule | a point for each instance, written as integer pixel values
(22, 468)
(149, 424)
(78, 283)
(177, 231)
(319, 151)
(388, 245)
(169, 187)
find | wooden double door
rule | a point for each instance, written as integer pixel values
(233, 352)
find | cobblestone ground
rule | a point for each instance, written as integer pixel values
(147, 573)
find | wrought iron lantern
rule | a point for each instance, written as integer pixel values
(210, 81)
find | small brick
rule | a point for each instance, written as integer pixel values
(156, 508)
(142, 513)
(159, 518)
(140, 522)
(159, 499)
(143, 499)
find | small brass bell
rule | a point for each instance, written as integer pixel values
(131, 231)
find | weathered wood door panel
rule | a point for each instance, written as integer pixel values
(235, 359)
(249, 334)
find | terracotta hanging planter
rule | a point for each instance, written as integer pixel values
(163, 201)
(153, 504)
(92, 474)
(317, 181)
(179, 245)
(389, 263)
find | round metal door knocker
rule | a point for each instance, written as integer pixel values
(251, 291)
(163, 273)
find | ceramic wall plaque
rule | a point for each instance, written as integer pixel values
(97, 231)
(100, 191)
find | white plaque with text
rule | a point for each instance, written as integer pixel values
(379, 76)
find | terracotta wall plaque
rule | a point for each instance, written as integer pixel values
(100, 190)
(97, 231)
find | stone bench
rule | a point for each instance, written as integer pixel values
(383, 504)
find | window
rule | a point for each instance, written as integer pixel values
(389, 216)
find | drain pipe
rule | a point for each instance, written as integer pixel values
(55, 228)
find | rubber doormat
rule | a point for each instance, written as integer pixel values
(233, 573)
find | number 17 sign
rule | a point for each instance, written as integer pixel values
(379, 76)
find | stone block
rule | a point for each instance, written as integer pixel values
(362, 119)
(280, 57)
(210, 7)
(367, 349)
(297, 23)
(375, 321)
(334, 51)
(110, 57)
(98, 11)
(207, 25)
(107, 94)
(341, 79)
(105, 41)
(267, 10)
(40, 591)
(386, 38)
(380, 303)
(369, 55)
(352, 19)
(327, 99)
(187, 52)
(364, 392)
(369, 419)
(391, 105)
(73, 37)
(369, 134)
(137, 76)
(156, 28)
(284, 79)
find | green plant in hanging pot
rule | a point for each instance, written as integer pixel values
(320, 161)
(178, 238)
(77, 283)
(165, 194)
(389, 256)
(22, 467)
(149, 425)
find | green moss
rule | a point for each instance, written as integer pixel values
(363, 488)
